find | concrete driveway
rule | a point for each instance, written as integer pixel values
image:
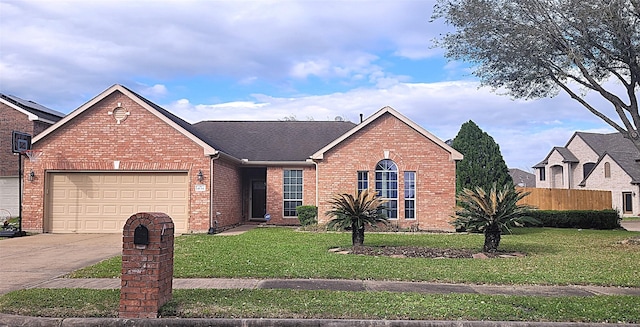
(30, 260)
(633, 225)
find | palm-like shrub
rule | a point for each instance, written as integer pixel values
(491, 212)
(356, 212)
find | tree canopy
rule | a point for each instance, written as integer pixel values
(483, 164)
(538, 48)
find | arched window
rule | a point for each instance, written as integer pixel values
(607, 170)
(587, 168)
(387, 186)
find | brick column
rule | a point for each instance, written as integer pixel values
(147, 269)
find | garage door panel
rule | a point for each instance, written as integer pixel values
(102, 202)
(9, 198)
(143, 195)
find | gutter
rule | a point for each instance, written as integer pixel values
(247, 162)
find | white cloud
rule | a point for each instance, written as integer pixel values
(441, 108)
(63, 53)
(157, 90)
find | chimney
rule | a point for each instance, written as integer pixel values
(361, 118)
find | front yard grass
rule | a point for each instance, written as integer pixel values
(553, 257)
(332, 305)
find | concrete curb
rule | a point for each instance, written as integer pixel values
(11, 320)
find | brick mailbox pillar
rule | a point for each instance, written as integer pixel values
(147, 265)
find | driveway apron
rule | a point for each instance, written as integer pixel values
(28, 261)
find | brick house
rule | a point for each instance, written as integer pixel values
(24, 116)
(594, 161)
(119, 154)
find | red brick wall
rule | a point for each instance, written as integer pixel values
(275, 189)
(93, 141)
(411, 151)
(10, 120)
(227, 193)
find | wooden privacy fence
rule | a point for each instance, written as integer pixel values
(566, 199)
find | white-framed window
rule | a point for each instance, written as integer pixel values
(410, 195)
(543, 175)
(387, 186)
(363, 180)
(292, 191)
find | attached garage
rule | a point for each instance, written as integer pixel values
(101, 202)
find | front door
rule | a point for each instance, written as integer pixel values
(258, 199)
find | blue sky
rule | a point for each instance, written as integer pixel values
(266, 60)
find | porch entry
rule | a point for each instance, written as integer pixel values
(258, 199)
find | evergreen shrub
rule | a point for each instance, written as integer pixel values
(586, 219)
(308, 215)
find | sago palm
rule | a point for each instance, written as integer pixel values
(491, 212)
(355, 212)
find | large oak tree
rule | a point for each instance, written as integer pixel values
(537, 48)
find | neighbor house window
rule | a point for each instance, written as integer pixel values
(387, 186)
(363, 181)
(607, 170)
(292, 191)
(543, 175)
(587, 168)
(410, 195)
(627, 202)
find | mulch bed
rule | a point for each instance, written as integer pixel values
(424, 252)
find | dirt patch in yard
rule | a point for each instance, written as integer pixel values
(423, 252)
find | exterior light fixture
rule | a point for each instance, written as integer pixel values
(200, 176)
(32, 176)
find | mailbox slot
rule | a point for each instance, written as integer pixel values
(141, 235)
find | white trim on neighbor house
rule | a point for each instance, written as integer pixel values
(31, 116)
(208, 150)
(455, 155)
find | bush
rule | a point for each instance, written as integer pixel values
(308, 215)
(586, 219)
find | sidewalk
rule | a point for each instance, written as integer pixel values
(348, 285)
(352, 285)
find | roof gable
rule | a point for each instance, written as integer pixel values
(180, 125)
(566, 154)
(454, 155)
(34, 111)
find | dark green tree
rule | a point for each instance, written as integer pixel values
(483, 164)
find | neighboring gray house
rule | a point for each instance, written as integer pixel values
(595, 161)
(522, 178)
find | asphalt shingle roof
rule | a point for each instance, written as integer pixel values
(34, 108)
(620, 149)
(567, 156)
(271, 140)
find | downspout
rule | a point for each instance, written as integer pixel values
(317, 188)
(212, 226)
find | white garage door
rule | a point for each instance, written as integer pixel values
(9, 199)
(102, 202)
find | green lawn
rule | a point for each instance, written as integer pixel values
(554, 257)
(330, 304)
